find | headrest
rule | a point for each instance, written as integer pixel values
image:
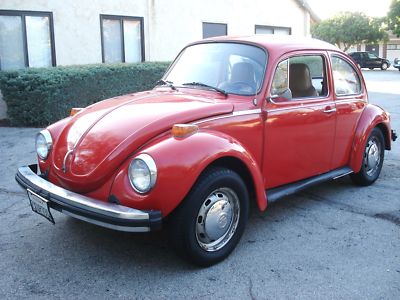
(299, 77)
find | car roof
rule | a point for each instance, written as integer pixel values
(285, 43)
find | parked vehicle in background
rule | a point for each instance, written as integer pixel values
(232, 120)
(396, 63)
(369, 60)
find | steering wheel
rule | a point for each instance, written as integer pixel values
(242, 85)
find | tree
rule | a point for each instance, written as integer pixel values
(350, 28)
(393, 18)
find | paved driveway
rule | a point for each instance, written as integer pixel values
(332, 241)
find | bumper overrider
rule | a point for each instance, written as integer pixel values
(109, 215)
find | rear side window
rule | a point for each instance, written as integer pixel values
(345, 78)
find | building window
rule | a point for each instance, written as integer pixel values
(214, 29)
(122, 39)
(261, 29)
(393, 47)
(26, 39)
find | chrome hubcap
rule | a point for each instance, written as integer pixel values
(217, 219)
(372, 157)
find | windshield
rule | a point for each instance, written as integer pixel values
(230, 67)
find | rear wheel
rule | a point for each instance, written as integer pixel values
(208, 224)
(384, 66)
(372, 161)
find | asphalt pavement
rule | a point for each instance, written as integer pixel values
(334, 241)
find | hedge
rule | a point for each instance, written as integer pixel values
(38, 97)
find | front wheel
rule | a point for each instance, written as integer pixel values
(374, 153)
(384, 66)
(208, 224)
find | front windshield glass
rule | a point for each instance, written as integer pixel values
(231, 67)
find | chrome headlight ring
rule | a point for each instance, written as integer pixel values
(44, 143)
(142, 173)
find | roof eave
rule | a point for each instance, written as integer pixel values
(304, 4)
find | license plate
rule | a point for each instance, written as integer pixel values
(40, 205)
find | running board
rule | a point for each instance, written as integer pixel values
(277, 193)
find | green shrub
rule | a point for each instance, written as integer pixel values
(38, 97)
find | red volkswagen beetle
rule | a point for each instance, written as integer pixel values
(233, 120)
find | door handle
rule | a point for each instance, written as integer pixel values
(329, 110)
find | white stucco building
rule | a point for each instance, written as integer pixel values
(39, 33)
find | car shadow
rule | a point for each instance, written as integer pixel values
(114, 249)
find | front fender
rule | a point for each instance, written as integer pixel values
(179, 164)
(55, 131)
(371, 117)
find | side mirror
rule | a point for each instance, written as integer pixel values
(273, 98)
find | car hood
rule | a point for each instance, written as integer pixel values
(98, 139)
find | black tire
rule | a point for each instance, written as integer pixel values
(372, 160)
(371, 68)
(207, 201)
(384, 66)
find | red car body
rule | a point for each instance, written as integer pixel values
(276, 147)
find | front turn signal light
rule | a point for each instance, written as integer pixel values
(184, 130)
(74, 111)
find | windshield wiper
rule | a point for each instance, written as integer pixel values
(167, 83)
(207, 86)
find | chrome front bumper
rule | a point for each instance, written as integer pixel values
(104, 214)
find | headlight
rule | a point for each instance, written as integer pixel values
(44, 142)
(142, 173)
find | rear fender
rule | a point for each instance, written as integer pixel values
(372, 116)
(180, 162)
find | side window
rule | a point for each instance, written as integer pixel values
(300, 77)
(345, 78)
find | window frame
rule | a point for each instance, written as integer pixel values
(121, 20)
(30, 13)
(214, 23)
(271, 27)
(355, 71)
